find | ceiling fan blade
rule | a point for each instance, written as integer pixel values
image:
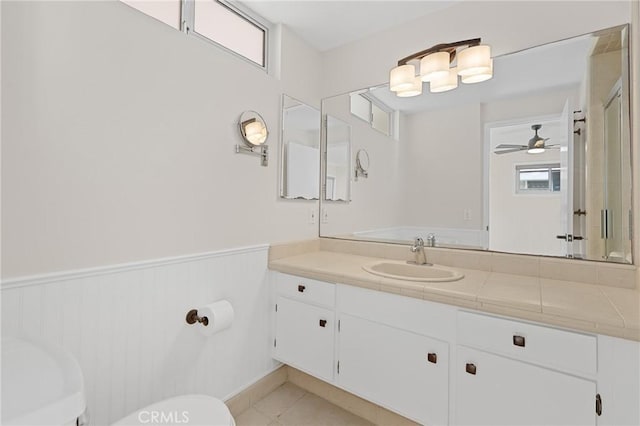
(506, 145)
(506, 151)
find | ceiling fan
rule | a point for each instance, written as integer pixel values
(536, 144)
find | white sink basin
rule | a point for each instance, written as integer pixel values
(412, 272)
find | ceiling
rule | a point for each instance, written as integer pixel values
(330, 23)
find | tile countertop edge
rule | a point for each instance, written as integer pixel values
(558, 318)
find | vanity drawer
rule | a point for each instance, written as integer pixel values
(306, 289)
(564, 350)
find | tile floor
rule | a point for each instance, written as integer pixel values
(290, 405)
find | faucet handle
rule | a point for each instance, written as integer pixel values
(418, 242)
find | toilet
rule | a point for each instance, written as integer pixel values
(42, 384)
(181, 410)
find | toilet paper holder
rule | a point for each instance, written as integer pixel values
(192, 318)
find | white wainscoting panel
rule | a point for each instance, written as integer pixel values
(126, 326)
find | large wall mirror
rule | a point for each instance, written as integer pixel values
(458, 164)
(300, 150)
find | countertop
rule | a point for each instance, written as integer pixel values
(592, 308)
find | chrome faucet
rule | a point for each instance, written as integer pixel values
(418, 249)
(431, 240)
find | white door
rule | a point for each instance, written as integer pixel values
(403, 371)
(566, 177)
(492, 390)
(305, 337)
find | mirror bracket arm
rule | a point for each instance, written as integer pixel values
(262, 151)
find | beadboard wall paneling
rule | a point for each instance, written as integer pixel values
(126, 326)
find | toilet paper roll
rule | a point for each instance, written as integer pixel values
(220, 315)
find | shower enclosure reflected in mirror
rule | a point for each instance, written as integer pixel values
(300, 150)
(461, 167)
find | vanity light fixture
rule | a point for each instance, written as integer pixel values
(253, 130)
(473, 65)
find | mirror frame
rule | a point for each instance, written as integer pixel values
(248, 117)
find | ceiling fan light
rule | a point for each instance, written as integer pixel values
(434, 66)
(474, 60)
(402, 77)
(414, 90)
(477, 78)
(535, 151)
(449, 82)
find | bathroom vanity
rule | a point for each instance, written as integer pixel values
(438, 353)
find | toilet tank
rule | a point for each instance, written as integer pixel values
(42, 384)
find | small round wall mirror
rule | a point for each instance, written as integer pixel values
(253, 128)
(362, 164)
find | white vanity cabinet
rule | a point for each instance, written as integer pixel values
(514, 373)
(305, 325)
(493, 390)
(439, 364)
(393, 350)
(403, 371)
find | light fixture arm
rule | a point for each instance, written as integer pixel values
(442, 47)
(262, 151)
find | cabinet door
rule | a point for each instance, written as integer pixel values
(393, 368)
(492, 390)
(305, 337)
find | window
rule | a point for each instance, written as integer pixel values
(212, 20)
(378, 115)
(380, 119)
(542, 178)
(229, 28)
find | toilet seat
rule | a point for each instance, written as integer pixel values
(192, 410)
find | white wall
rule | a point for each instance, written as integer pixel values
(118, 145)
(126, 327)
(441, 154)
